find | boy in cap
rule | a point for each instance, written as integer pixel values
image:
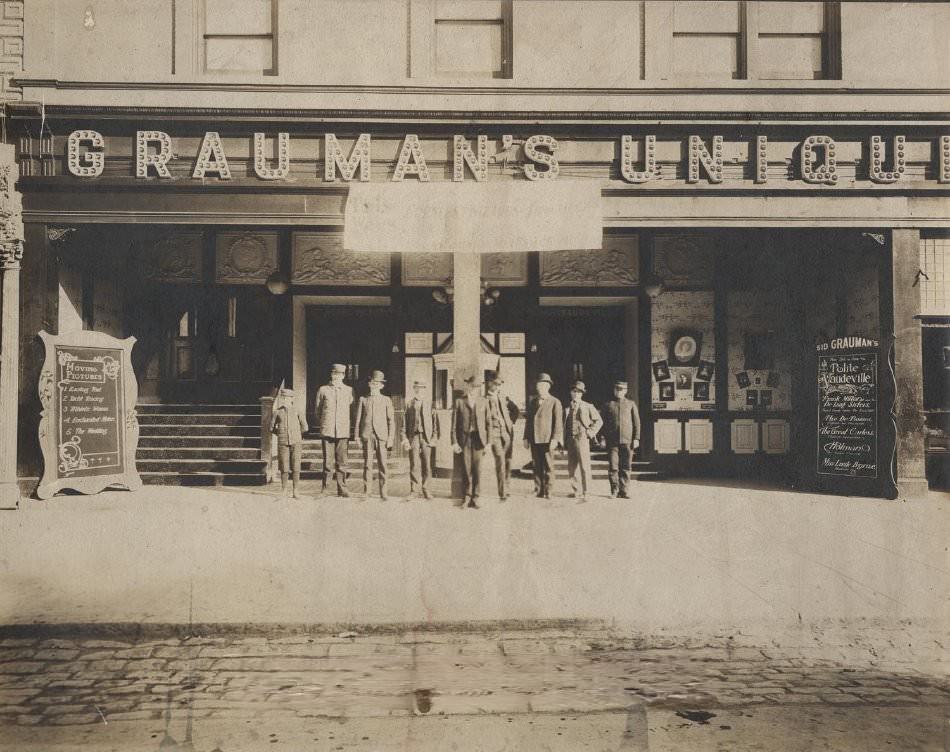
(420, 431)
(333, 404)
(470, 437)
(543, 433)
(581, 423)
(376, 431)
(288, 425)
(622, 434)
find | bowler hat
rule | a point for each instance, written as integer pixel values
(338, 368)
(620, 385)
(378, 377)
(544, 377)
(579, 387)
(494, 377)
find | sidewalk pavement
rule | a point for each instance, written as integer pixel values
(681, 560)
(567, 689)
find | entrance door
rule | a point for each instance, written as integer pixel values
(359, 337)
(582, 344)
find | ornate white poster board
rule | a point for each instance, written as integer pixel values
(88, 427)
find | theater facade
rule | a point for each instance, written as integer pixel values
(739, 253)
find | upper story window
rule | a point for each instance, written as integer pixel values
(471, 38)
(935, 276)
(765, 39)
(239, 36)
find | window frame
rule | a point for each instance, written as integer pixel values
(203, 37)
(425, 18)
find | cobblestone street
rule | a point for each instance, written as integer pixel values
(548, 689)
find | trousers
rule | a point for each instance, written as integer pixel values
(334, 461)
(375, 448)
(420, 464)
(500, 451)
(578, 459)
(472, 451)
(542, 458)
(619, 457)
(288, 459)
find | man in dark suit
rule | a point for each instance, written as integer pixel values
(502, 414)
(376, 431)
(420, 431)
(622, 434)
(334, 401)
(543, 432)
(470, 426)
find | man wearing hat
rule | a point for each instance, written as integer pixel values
(376, 431)
(543, 433)
(622, 434)
(470, 427)
(420, 431)
(502, 414)
(333, 404)
(581, 424)
(288, 425)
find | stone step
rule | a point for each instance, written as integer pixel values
(208, 419)
(171, 478)
(210, 443)
(197, 453)
(195, 408)
(201, 465)
(192, 430)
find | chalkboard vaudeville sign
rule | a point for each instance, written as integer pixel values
(848, 436)
(88, 428)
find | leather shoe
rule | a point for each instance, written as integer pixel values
(472, 504)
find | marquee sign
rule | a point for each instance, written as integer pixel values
(817, 157)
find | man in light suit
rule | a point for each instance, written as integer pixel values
(543, 433)
(581, 424)
(420, 431)
(622, 434)
(334, 402)
(376, 431)
(470, 437)
(502, 414)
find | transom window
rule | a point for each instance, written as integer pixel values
(239, 36)
(472, 38)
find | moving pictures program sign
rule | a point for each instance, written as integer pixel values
(88, 428)
(848, 437)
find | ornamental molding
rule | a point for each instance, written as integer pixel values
(616, 265)
(427, 269)
(11, 211)
(245, 257)
(174, 258)
(319, 259)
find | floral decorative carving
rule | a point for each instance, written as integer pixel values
(682, 260)
(245, 257)
(174, 258)
(426, 269)
(614, 265)
(11, 212)
(319, 259)
(505, 268)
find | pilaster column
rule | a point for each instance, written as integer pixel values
(466, 317)
(11, 252)
(908, 364)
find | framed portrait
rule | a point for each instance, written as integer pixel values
(705, 370)
(752, 397)
(701, 391)
(667, 392)
(683, 378)
(742, 379)
(661, 370)
(685, 347)
(765, 397)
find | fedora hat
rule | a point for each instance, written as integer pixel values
(377, 377)
(579, 387)
(544, 377)
(420, 383)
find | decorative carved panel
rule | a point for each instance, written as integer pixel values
(245, 257)
(683, 260)
(505, 269)
(616, 265)
(173, 258)
(319, 259)
(426, 269)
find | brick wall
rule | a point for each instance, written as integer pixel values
(11, 47)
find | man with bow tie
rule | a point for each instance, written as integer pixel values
(543, 433)
(420, 432)
(581, 424)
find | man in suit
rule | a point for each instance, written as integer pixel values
(501, 431)
(622, 434)
(289, 425)
(581, 424)
(543, 432)
(334, 402)
(375, 431)
(420, 432)
(470, 427)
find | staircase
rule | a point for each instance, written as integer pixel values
(200, 445)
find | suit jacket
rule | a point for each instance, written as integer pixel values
(545, 422)
(376, 419)
(467, 419)
(422, 422)
(586, 416)
(621, 422)
(333, 411)
(505, 415)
